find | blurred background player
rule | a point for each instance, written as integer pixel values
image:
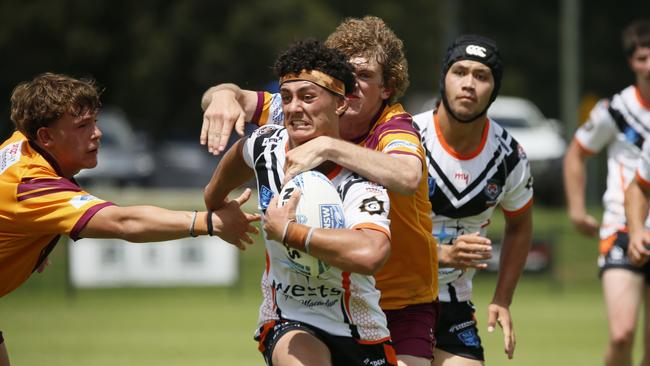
(57, 136)
(621, 124)
(474, 165)
(333, 318)
(636, 211)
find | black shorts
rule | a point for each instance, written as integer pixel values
(613, 254)
(2, 340)
(345, 351)
(457, 332)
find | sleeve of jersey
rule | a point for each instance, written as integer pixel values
(398, 136)
(643, 169)
(366, 206)
(55, 206)
(519, 190)
(268, 110)
(598, 130)
(248, 150)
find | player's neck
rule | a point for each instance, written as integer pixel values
(463, 138)
(644, 90)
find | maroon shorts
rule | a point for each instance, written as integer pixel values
(412, 329)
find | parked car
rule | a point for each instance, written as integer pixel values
(183, 164)
(124, 156)
(542, 140)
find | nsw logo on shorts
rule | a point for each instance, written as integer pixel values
(469, 338)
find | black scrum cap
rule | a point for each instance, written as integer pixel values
(475, 48)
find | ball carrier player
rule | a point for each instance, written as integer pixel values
(334, 318)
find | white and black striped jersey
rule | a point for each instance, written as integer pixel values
(622, 125)
(464, 190)
(341, 303)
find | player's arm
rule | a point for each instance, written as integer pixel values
(517, 241)
(636, 212)
(361, 251)
(150, 223)
(225, 106)
(232, 172)
(575, 178)
(397, 172)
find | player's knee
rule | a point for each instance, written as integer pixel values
(622, 340)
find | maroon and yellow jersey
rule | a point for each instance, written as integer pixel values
(37, 205)
(410, 276)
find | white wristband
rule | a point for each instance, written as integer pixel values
(192, 233)
(286, 227)
(308, 240)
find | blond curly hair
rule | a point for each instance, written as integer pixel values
(370, 37)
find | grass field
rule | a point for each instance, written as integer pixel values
(559, 316)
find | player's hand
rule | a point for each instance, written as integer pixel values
(585, 224)
(499, 314)
(235, 224)
(467, 251)
(637, 250)
(43, 265)
(223, 113)
(305, 157)
(276, 218)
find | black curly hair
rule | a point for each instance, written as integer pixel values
(312, 54)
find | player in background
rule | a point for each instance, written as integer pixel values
(474, 166)
(621, 124)
(57, 136)
(383, 146)
(637, 195)
(333, 318)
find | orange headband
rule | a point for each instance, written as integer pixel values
(319, 78)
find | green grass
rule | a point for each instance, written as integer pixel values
(558, 316)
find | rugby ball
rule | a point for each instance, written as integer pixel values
(319, 206)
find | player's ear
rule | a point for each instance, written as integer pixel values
(341, 105)
(387, 89)
(45, 137)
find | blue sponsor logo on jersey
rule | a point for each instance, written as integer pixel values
(277, 117)
(432, 186)
(265, 197)
(331, 217)
(469, 338)
(631, 135)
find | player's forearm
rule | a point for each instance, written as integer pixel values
(247, 99)
(143, 224)
(517, 242)
(575, 178)
(400, 174)
(358, 251)
(231, 173)
(206, 99)
(636, 207)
